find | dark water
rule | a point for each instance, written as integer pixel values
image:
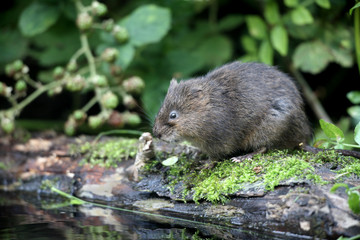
(26, 216)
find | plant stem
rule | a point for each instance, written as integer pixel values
(310, 97)
(32, 82)
(34, 95)
(87, 51)
(89, 104)
(357, 35)
(77, 54)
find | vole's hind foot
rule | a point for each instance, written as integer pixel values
(248, 156)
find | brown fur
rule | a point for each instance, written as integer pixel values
(236, 108)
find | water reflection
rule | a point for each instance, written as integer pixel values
(25, 216)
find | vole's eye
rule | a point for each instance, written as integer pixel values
(173, 115)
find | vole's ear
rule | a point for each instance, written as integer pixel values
(196, 92)
(173, 83)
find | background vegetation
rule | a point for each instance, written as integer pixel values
(312, 40)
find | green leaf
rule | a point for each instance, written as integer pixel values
(312, 57)
(249, 44)
(353, 96)
(354, 7)
(357, 133)
(279, 39)
(170, 161)
(230, 22)
(354, 201)
(249, 58)
(266, 53)
(272, 14)
(147, 24)
(37, 18)
(57, 45)
(215, 50)
(126, 55)
(183, 62)
(323, 3)
(337, 185)
(331, 131)
(342, 56)
(10, 51)
(301, 16)
(256, 26)
(291, 3)
(304, 32)
(354, 112)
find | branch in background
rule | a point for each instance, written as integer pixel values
(310, 97)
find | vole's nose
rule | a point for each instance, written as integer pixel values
(156, 133)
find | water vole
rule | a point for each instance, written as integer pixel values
(237, 108)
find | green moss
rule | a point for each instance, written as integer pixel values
(269, 170)
(350, 169)
(108, 153)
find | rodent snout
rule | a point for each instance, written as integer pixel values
(156, 133)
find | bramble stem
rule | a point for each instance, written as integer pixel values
(17, 107)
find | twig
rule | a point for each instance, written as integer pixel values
(310, 97)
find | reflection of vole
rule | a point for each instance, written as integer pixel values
(236, 108)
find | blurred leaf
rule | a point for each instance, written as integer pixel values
(291, 3)
(357, 5)
(331, 131)
(37, 18)
(354, 97)
(183, 63)
(280, 40)
(342, 57)
(249, 58)
(68, 9)
(230, 22)
(215, 50)
(147, 24)
(301, 32)
(108, 38)
(301, 16)
(249, 44)
(338, 39)
(354, 112)
(256, 26)
(357, 133)
(272, 14)
(354, 201)
(8, 49)
(321, 143)
(312, 57)
(45, 76)
(57, 45)
(323, 3)
(126, 55)
(337, 185)
(266, 53)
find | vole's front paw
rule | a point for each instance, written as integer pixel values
(248, 156)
